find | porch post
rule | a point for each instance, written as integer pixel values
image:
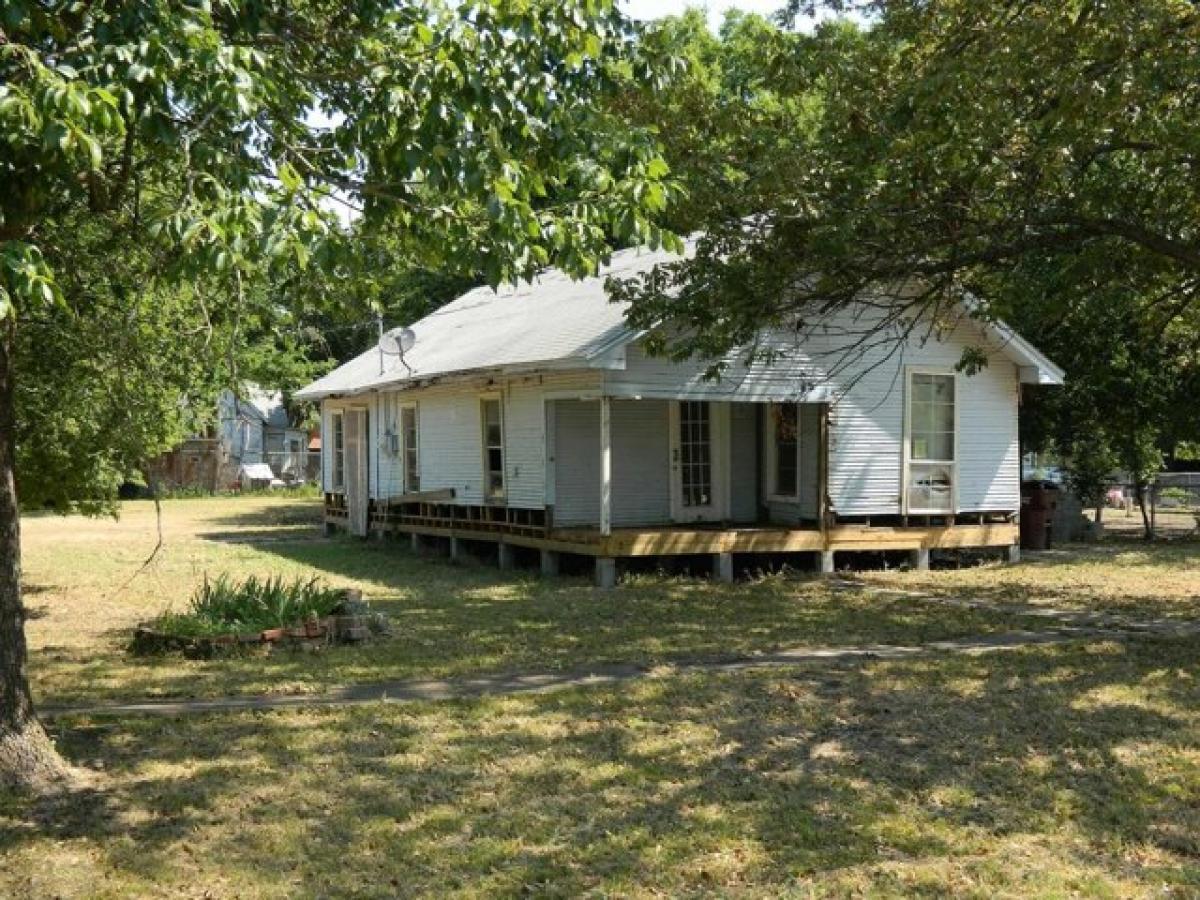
(605, 466)
(823, 471)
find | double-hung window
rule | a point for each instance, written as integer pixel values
(783, 449)
(491, 412)
(932, 443)
(410, 447)
(337, 446)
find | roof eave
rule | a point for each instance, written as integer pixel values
(566, 363)
(1033, 366)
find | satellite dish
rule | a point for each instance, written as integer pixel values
(397, 341)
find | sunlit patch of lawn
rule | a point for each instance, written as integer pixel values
(1120, 575)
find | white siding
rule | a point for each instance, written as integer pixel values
(651, 376)
(328, 408)
(375, 433)
(389, 478)
(867, 431)
(450, 437)
(525, 446)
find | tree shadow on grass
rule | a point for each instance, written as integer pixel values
(456, 620)
(294, 511)
(701, 783)
(462, 619)
(296, 520)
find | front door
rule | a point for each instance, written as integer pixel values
(357, 490)
(699, 432)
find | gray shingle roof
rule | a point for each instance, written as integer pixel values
(552, 322)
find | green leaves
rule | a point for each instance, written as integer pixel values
(25, 278)
(169, 171)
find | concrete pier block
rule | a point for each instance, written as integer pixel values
(825, 563)
(414, 542)
(505, 556)
(723, 567)
(456, 549)
(920, 559)
(549, 562)
(1014, 553)
(606, 572)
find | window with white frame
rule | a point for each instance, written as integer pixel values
(492, 417)
(337, 446)
(932, 443)
(410, 447)
(783, 449)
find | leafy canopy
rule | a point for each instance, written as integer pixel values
(956, 146)
(200, 144)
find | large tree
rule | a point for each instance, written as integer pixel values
(207, 133)
(957, 146)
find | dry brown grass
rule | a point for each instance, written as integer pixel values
(1048, 772)
(450, 620)
(1054, 771)
(1126, 576)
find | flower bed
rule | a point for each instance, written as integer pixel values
(225, 616)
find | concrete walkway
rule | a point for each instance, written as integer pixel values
(415, 690)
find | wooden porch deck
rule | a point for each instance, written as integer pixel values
(433, 516)
(680, 541)
(684, 541)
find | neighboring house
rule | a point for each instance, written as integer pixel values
(253, 443)
(256, 430)
(533, 417)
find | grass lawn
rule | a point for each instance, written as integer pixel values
(1124, 576)
(1049, 772)
(1052, 771)
(450, 620)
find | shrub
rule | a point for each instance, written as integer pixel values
(221, 605)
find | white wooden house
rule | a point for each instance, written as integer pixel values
(533, 417)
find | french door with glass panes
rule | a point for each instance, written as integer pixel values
(699, 474)
(931, 443)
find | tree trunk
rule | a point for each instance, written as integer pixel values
(28, 759)
(1147, 525)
